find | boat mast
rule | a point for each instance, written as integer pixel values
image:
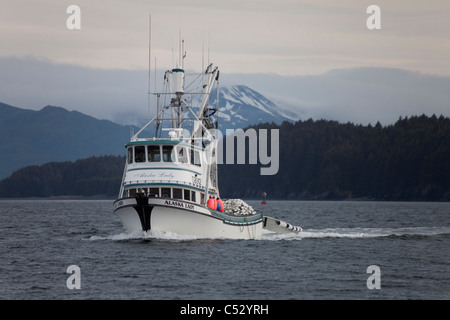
(149, 60)
(175, 92)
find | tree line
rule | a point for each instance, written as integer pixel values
(409, 160)
(318, 159)
(94, 176)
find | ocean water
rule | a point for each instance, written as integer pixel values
(408, 242)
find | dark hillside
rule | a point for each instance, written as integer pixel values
(30, 137)
(317, 160)
(329, 160)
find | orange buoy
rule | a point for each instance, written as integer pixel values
(212, 203)
(220, 206)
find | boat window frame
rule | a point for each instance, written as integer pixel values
(179, 194)
(131, 192)
(184, 158)
(130, 153)
(163, 189)
(196, 158)
(188, 193)
(169, 191)
(136, 148)
(151, 192)
(152, 155)
(170, 155)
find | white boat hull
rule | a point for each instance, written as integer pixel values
(177, 216)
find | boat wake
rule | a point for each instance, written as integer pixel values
(404, 233)
(146, 235)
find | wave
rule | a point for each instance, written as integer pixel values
(360, 233)
(146, 235)
(405, 233)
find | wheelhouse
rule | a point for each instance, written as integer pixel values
(178, 153)
(164, 169)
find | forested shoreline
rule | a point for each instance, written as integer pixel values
(318, 159)
(90, 177)
(409, 160)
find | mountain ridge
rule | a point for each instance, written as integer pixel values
(53, 133)
(29, 137)
(240, 106)
(360, 95)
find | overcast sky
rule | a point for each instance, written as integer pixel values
(101, 69)
(287, 37)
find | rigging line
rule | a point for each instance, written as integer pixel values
(198, 76)
(155, 74)
(136, 135)
(209, 135)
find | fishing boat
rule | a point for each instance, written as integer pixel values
(170, 179)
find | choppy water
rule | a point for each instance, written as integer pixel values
(409, 242)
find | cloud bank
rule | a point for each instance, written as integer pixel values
(359, 95)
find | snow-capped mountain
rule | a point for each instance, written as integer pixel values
(241, 106)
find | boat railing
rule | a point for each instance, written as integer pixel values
(179, 139)
(159, 182)
(158, 139)
(237, 219)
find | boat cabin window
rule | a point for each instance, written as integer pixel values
(167, 153)
(139, 154)
(177, 193)
(130, 155)
(195, 157)
(154, 192)
(154, 154)
(182, 155)
(165, 192)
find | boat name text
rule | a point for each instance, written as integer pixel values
(179, 204)
(153, 175)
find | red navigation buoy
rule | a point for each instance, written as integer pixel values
(264, 195)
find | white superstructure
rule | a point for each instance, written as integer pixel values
(170, 179)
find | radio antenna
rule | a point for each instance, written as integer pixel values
(149, 60)
(203, 51)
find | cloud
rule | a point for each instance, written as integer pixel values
(359, 95)
(282, 36)
(34, 83)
